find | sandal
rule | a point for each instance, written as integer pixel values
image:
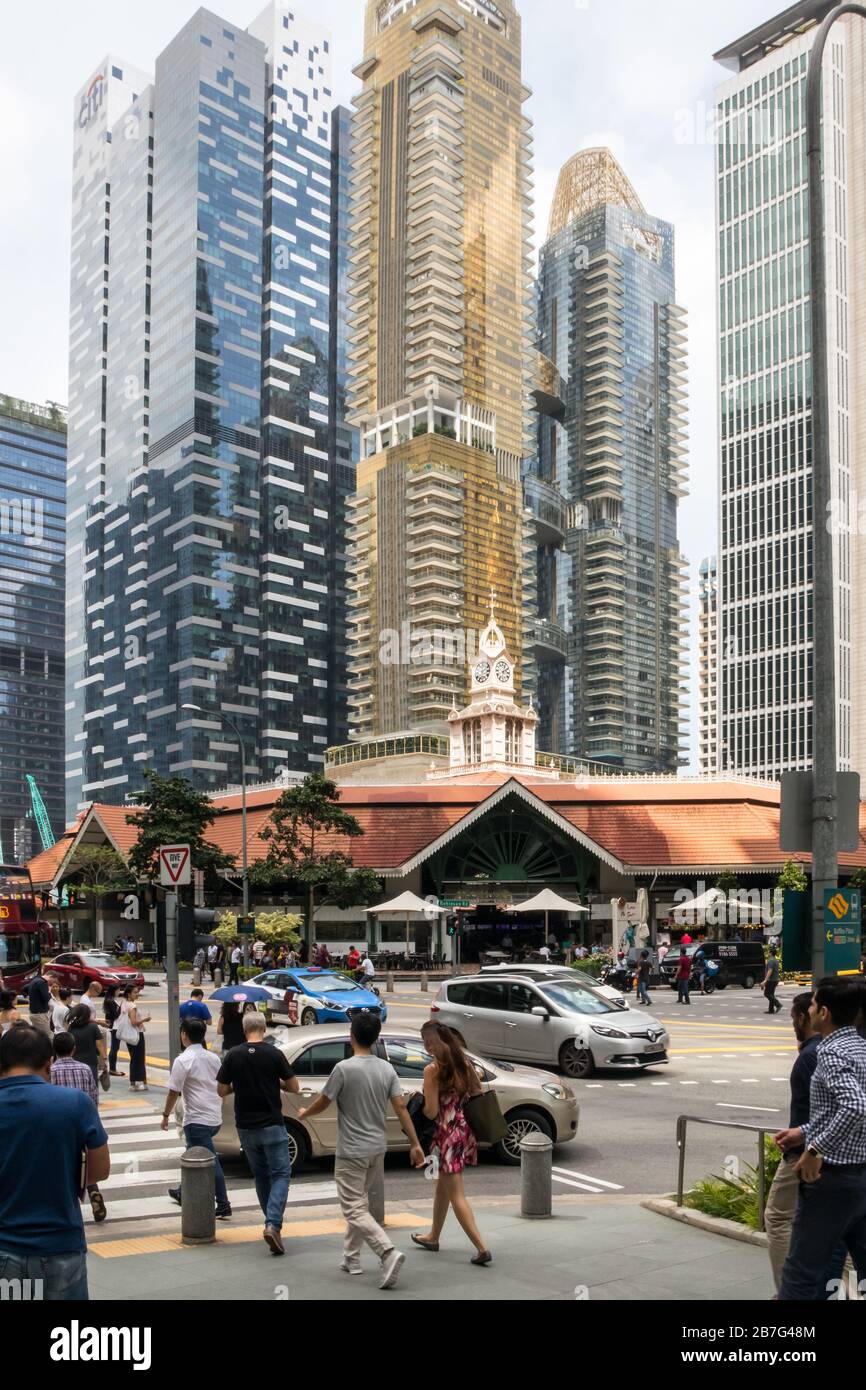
(97, 1206)
(431, 1245)
(483, 1257)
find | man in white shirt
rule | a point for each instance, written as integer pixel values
(544, 951)
(194, 1077)
(367, 967)
(90, 998)
(235, 959)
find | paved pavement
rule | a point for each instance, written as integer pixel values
(599, 1249)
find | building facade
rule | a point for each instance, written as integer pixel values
(708, 631)
(202, 435)
(440, 317)
(608, 470)
(32, 594)
(764, 577)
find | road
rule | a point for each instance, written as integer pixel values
(729, 1061)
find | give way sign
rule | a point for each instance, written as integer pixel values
(175, 866)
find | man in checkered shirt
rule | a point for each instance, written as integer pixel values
(832, 1170)
(65, 1071)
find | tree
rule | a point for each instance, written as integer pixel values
(727, 881)
(172, 812)
(793, 878)
(99, 869)
(274, 928)
(301, 820)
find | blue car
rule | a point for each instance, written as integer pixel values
(307, 996)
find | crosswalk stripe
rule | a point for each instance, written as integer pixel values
(584, 1187)
(135, 1208)
(235, 1235)
(587, 1177)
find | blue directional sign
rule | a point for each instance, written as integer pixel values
(842, 930)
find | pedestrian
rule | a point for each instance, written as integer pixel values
(68, 1070)
(450, 1080)
(220, 959)
(267, 960)
(770, 982)
(643, 976)
(663, 949)
(44, 1132)
(831, 1206)
(230, 1026)
(193, 1077)
(60, 1005)
(235, 964)
(699, 963)
(39, 1003)
(198, 960)
(9, 1014)
(195, 1007)
(256, 1072)
(363, 1086)
(367, 968)
(91, 997)
(684, 975)
(258, 952)
(211, 958)
(110, 1014)
(130, 1028)
(89, 1043)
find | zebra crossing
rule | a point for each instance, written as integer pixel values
(145, 1162)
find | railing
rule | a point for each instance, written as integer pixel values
(683, 1121)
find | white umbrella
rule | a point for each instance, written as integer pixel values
(405, 905)
(547, 901)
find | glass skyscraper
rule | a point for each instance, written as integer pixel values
(202, 435)
(32, 565)
(608, 471)
(765, 379)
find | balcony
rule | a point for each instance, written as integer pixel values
(547, 640)
(548, 508)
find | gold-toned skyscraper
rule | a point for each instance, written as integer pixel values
(439, 329)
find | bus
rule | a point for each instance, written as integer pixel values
(20, 950)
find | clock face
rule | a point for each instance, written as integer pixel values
(503, 672)
(482, 672)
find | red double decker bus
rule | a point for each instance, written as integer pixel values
(20, 953)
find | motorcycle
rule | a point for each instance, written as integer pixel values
(619, 977)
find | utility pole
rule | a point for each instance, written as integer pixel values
(825, 856)
(172, 979)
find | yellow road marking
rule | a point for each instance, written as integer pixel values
(683, 1051)
(238, 1235)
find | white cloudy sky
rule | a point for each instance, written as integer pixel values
(622, 73)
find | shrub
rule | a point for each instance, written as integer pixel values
(593, 965)
(735, 1199)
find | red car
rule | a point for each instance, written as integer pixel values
(78, 969)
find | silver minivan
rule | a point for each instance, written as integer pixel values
(554, 1022)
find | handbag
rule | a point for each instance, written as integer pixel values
(105, 1079)
(126, 1030)
(485, 1118)
(424, 1128)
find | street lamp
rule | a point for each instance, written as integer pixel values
(224, 719)
(825, 841)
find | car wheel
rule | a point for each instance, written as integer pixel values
(749, 982)
(299, 1146)
(520, 1124)
(308, 1018)
(576, 1061)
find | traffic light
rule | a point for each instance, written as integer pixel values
(192, 923)
(453, 928)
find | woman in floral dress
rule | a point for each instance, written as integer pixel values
(449, 1081)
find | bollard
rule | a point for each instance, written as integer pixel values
(389, 982)
(536, 1181)
(424, 982)
(196, 977)
(217, 977)
(198, 1218)
(376, 1194)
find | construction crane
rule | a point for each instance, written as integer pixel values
(43, 824)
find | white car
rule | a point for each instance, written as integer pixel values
(561, 972)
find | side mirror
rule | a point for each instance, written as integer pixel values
(539, 1012)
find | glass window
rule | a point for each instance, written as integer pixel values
(321, 1059)
(522, 999)
(408, 1058)
(487, 994)
(574, 1000)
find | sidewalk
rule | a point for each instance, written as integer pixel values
(596, 1248)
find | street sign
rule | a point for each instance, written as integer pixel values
(246, 925)
(454, 902)
(842, 930)
(795, 818)
(175, 866)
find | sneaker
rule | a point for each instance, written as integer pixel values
(391, 1265)
(174, 1194)
(222, 1213)
(351, 1266)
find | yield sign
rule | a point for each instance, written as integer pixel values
(174, 865)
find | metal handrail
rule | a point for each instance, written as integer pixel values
(683, 1121)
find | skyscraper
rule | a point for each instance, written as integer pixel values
(607, 474)
(440, 316)
(765, 599)
(708, 662)
(32, 564)
(201, 430)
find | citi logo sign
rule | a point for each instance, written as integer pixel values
(91, 101)
(77, 1343)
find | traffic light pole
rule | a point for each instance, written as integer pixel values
(171, 975)
(825, 804)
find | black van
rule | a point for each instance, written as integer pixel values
(740, 962)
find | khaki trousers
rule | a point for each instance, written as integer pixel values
(779, 1216)
(42, 1022)
(354, 1178)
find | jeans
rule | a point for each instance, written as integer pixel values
(643, 992)
(831, 1210)
(112, 1051)
(267, 1152)
(770, 996)
(233, 972)
(203, 1135)
(683, 992)
(54, 1278)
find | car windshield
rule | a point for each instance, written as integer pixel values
(99, 958)
(574, 999)
(327, 984)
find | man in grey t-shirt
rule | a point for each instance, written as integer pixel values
(363, 1086)
(771, 981)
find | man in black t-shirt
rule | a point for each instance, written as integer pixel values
(256, 1072)
(39, 999)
